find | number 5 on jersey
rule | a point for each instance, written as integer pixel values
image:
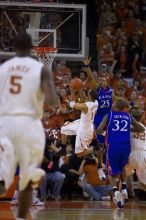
(15, 84)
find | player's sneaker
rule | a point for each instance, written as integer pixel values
(118, 199)
(14, 201)
(38, 202)
(101, 174)
(125, 195)
(105, 198)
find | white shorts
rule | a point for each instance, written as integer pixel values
(70, 128)
(27, 137)
(82, 143)
(137, 161)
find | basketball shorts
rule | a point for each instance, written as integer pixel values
(137, 161)
(27, 139)
(82, 142)
(70, 128)
(117, 157)
(97, 121)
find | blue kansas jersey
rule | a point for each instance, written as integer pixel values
(104, 101)
(118, 129)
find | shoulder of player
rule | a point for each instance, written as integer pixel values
(91, 105)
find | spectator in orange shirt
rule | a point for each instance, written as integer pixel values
(118, 79)
(96, 188)
(130, 22)
(59, 71)
(121, 11)
(103, 38)
(107, 14)
(107, 56)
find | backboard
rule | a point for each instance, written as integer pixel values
(62, 26)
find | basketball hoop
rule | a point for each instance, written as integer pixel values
(45, 55)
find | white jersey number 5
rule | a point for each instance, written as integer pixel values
(15, 84)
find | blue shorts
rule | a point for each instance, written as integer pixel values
(117, 157)
(97, 121)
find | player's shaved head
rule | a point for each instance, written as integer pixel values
(93, 94)
(23, 42)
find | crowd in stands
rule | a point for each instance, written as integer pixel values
(121, 51)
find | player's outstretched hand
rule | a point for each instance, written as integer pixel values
(86, 61)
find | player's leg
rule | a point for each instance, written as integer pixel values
(25, 198)
(82, 146)
(126, 148)
(7, 164)
(100, 139)
(124, 191)
(138, 161)
(31, 149)
(68, 129)
(114, 170)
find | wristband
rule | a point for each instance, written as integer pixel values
(88, 65)
(72, 104)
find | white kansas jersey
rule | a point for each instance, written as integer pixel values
(138, 140)
(86, 120)
(20, 87)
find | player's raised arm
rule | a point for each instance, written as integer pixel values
(48, 87)
(87, 69)
(102, 125)
(137, 126)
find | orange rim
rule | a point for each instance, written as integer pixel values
(45, 49)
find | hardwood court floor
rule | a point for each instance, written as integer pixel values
(78, 210)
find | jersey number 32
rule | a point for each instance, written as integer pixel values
(120, 125)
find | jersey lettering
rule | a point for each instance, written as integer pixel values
(141, 136)
(120, 125)
(15, 84)
(105, 103)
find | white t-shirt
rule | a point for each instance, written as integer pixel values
(20, 90)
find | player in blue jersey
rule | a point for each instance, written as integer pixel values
(105, 99)
(118, 125)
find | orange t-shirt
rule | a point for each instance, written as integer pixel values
(92, 175)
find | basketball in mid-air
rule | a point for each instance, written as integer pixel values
(76, 84)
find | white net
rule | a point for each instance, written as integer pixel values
(45, 55)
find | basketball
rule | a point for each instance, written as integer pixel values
(76, 84)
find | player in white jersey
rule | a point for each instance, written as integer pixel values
(24, 84)
(82, 128)
(137, 157)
